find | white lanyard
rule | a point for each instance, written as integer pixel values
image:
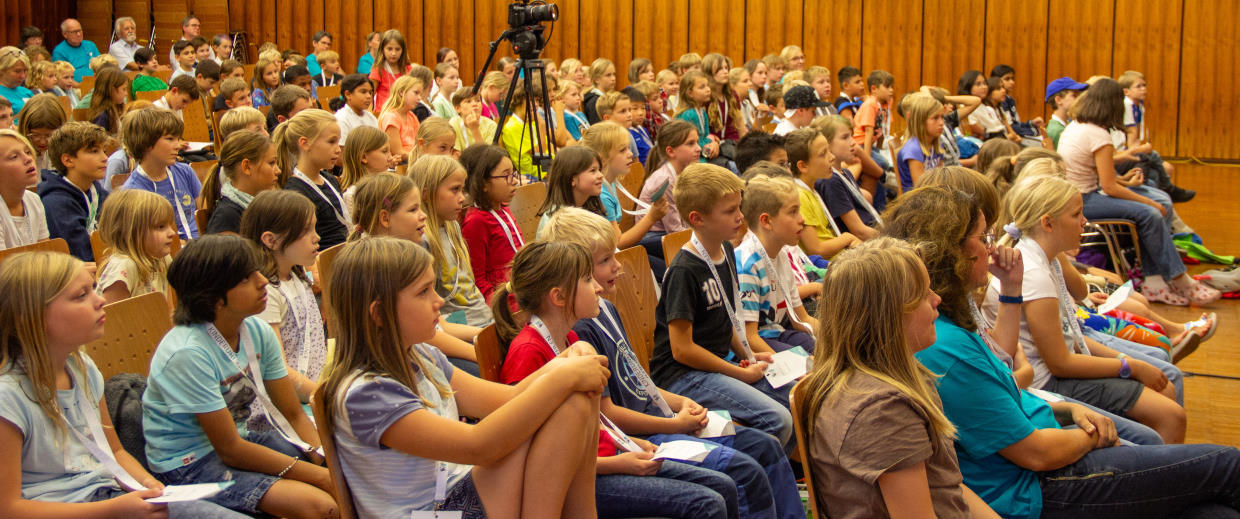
(542, 329)
(826, 212)
(737, 327)
(92, 204)
(642, 207)
(641, 130)
(517, 242)
(274, 416)
(704, 128)
(581, 120)
(635, 366)
(96, 442)
(622, 440)
(983, 330)
(1068, 307)
(176, 199)
(783, 289)
(293, 301)
(851, 183)
(342, 213)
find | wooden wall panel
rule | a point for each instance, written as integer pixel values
(1016, 34)
(724, 24)
(1078, 41)
(491, 19)
(168, 15)
(951, 40)
(608, 33)
(884, 49)
(770, 25)
(96, 19)
(828, 42)
(213, 15)
(1149, 41)
(663, 40)
(1209, 79)
(564, 36)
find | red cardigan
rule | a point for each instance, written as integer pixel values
(490, 253)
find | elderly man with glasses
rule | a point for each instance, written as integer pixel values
(75, 49)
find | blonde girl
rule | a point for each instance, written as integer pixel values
(137, 226)
(695, 100)
(494, 85)
(397, 120)
(441, 179)
(1045, 219)
(572, 111)
(22, 219)
(603, 79)
(435, 137)
(306, 146)
(247, 166)
(51, 402)
(107, 101)
(611, 142)
(739, 82)
(668, 84)
(921, 151)
(265, 81)
(42, 77)
(394, 64)
(363, 157)
(382, 301)
(573, 70)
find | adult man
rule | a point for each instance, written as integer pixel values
(221, 48)
(76, 50)
(190, 28)
(126, 43)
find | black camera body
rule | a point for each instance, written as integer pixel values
(525, 25)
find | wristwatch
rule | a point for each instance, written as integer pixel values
(1125, 370)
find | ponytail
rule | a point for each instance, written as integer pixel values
(537, 268)
(306, 124)
(211, 189)
(506, 324)
(672, 134)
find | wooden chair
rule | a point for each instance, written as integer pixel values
(632, 181)
(215, 125)
(524, 207)
(87, 84)
(265, 109)
(202, 216)
(344, 498)
(164, 74)
(249, 72)
(486, 345)
(118, 180)
(65, 104)
(202, 169)
(673, 242)
(150, 95)
(327, 93)
(81, 114)
(323, 267)
(799, 427)
(769, 127)
(98, 247)
(1114, 234)
(134, 328)
(53, 245)
(196, 125)
(635, 300)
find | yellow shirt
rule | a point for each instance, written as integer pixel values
(516, 138)
(814, 215)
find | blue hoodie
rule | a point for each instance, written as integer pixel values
(68, 212)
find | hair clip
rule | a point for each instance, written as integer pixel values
(1012, 230)
(387, 203)
(1012, 160)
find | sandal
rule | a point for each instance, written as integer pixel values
(1186, 344)
(1206, 325)
(1164, 295)
(1199, 293)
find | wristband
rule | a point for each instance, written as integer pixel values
(1011, 300)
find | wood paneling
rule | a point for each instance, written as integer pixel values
(663, 18)
(828, 41)
(1148, 40)
(883, 49)
(724, 24)
(772, 24)
(609, 33)
(1016, 35)
(1208, 80)
(951, 42)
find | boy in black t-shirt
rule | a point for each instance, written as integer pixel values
(698, 352)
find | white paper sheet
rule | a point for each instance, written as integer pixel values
(1118, 296)
(178, 493)
(683, 450)
(720, 425)
(788, 366)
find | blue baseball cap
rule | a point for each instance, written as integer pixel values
(1061, 84)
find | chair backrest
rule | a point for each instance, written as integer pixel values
(673, 242)
(486, 345)
(203, 168)
(87, 84)
(635, 300)
(249, 72)
(54, 245)
(118, 180)
(98, 248)
(631, 181)
(133, 330)
(323, 266)
(265, 109)
(164, 74)
(327, 93)
(769, 127)
(151, 95)
(202, 216)
(196, 125)
(798, 427)
(344, 498)
(81, 114)
(524, 207)
(65, 103)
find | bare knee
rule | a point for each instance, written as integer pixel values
(319, 505)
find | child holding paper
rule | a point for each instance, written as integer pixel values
(52, 417)
(743, 455)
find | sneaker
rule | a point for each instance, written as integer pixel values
(1164, 295)
(1180, 195)
(1225, 280)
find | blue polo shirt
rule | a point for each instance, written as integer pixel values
(78, 56)
(990, 413)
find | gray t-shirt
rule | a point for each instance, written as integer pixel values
(55, 466)
(462, 301)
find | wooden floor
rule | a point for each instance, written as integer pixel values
(1213, 403)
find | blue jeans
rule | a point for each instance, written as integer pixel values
(180, 510)
(789, 338)
(756, 462)
(757, 405)
(249, 487)
(1128, 430)
(653, 242)
(1156, 356)
(1146, 481)
(677, 491)
(1158, 254)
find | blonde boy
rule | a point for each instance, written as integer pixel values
(329, 64)
(614, 106)
(700, 350)
(242, 118)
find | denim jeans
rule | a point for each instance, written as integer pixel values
(1156, 356)
(180, 510)
(757, 405)
(789, 338)
(653, 242)
(678, 491)
(756, 462)
(1128, 430)
(1158, 254)
(248, 487)
(1146, 481)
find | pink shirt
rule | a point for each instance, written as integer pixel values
(1077, 145)
(670, 222)
(407, 125)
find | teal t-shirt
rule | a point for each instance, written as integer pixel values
(990, 413)
(191, 375)
(611, 204)
(701, 122)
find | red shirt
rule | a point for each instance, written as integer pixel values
(528, 352)
(490, 252)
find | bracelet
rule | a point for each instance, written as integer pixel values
(1011, 300)
(286, 469)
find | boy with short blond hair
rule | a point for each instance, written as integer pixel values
(701, 350)
(153, 138)
(329, 69)
(234, 92)
(242, 118)
(72, 197)
(820, 79)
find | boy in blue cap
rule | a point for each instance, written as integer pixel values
(1060, 94)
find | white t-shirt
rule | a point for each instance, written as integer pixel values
(163, 103)
(1134, 115)
(348, 120)
(784, 128)
(1077, 145)
(1039, 283)
(120, 268)
(31, 227)
(988, 118)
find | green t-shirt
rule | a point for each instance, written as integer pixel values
(1054, 129)
(145, 83)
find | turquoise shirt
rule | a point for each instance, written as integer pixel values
(78, 56)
